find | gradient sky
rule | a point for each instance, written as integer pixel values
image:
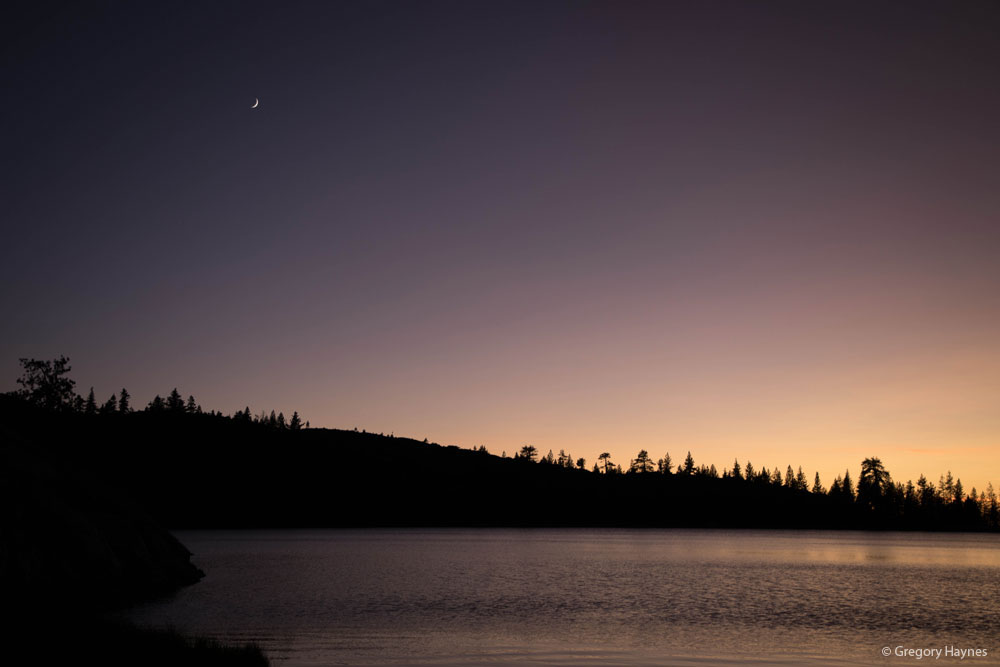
(764, 230)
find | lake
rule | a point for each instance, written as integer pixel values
(592, 596)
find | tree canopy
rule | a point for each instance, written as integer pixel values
(45, 383)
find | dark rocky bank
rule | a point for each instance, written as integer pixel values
(67, 540)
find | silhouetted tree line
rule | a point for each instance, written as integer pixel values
(529, 453)
(876, 494)
(46, 384)
(263, 470)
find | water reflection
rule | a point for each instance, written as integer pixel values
(586, 596)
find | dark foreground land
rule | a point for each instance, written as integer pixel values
(196, 470)
(73, 547)
(84, 640)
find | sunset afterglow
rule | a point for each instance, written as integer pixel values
(765, 235)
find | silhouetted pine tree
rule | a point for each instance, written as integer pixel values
(175, 403)
(801, 484)
(90, 407)
(925, 494)
(946, 487)
(992, 507)
(123, 405)
(873, 484)
(847, 486)
(817, 487)
(642, 463)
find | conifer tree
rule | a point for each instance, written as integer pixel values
(817, 487)
(174, 401)
(689, 464)
(642, 463)
(946, 487)
(847, 486)
(874, 484)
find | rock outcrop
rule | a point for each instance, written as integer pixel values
(67, 541)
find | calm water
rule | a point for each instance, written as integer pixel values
(591, 597)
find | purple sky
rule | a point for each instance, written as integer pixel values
(755, 230)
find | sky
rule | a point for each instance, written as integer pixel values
(763, 231)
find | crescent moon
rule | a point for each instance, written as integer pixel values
(255, 103)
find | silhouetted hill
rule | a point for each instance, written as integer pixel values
(200, 470)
